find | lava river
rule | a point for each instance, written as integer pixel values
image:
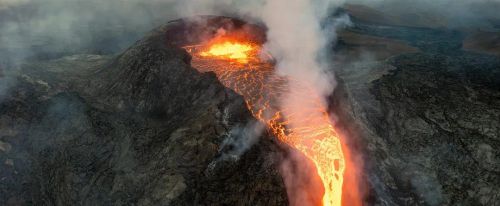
(242, 66)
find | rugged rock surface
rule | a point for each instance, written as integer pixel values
(426, 122)
(143, 128)
(483, 42)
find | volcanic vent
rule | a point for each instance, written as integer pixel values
(233, 51)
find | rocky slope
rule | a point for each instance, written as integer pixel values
(427, 121)
(142, 128)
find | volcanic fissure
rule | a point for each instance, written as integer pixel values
(243, 66)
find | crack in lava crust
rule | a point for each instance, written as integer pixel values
(307, 129)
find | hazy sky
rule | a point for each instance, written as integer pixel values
(61, 25)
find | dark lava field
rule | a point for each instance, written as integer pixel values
(109, 124)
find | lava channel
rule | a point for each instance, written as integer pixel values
(244, 68)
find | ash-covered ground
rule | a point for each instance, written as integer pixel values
(142, 127)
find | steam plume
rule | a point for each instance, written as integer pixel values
(296, 39)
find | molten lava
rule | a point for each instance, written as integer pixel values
(239, 66)
(236, 51)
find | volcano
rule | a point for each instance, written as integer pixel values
(236, 62)
(166, 122)
(149, 127)
(234, 54)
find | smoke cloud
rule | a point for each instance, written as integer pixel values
(54, 28)
(240, 139)
(296, 38)
(47, 29)
(5, 4)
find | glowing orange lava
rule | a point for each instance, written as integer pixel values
(236, 51)
(307, 127)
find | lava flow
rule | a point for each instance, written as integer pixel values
(243, 67)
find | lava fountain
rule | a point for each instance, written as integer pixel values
(241, 65)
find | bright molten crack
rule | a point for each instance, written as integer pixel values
(242, 66)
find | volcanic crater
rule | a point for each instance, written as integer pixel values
(157, 125)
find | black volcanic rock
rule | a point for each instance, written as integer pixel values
(427, 126)
(143, 128)
(153, 77)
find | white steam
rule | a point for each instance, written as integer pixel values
(5, 4)
(240, 139)
(296, 38)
